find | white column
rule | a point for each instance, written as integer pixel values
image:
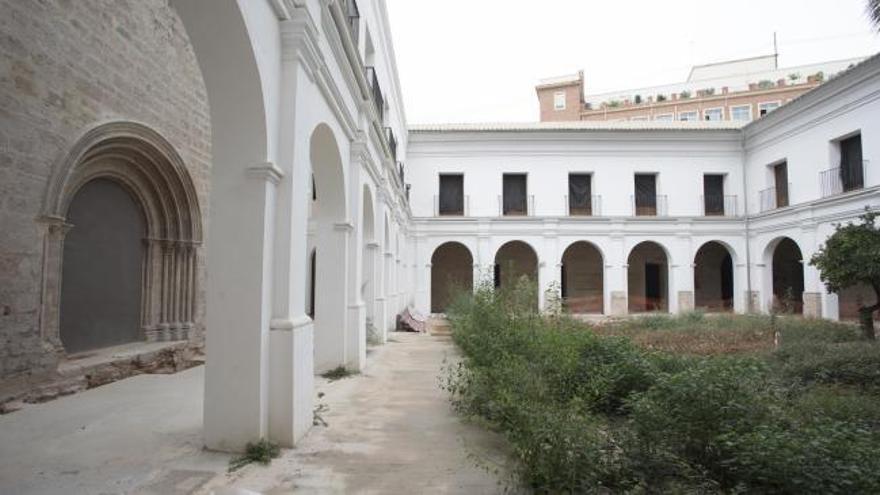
(331, 299)
(356, 330)
(291, 337)
(616, 277)
(239, 274)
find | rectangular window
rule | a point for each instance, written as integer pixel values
(713, 114)
(713, 194)
(580, 199)
(765, 108)
(646, 194)
(665, 117)
(559, 101)
(451, 198)
(851, 172)
(780, 177)
(515, 195)
(688, 116)
(741, 113)
(639, 118)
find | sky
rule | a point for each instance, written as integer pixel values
(479, 60)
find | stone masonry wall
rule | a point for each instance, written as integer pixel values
(67, 66)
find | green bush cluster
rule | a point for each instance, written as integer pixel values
(591, 413)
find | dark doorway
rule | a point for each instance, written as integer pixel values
(102, 271)
(788, 277)
(652, 283)
(713, 278)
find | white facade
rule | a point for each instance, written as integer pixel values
(304, 99)
(805, 134)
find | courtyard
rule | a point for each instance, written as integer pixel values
(389, 429)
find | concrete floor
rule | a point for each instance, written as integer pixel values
(390, 430)
(138, 435)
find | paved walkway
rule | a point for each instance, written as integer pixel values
(390, 430)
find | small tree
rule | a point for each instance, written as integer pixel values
(851, 256)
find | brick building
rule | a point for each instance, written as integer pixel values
(738, 90)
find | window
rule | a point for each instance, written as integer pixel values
(765, 108)
(646, 194)
(639, 118)
(851, 172)
(780, 177)
(666, 117)
(713, 195)
(713, 114)
(451, 198)
(741, 113)
(559, 100)
(580, 199)
(515, 195)
(688, 116)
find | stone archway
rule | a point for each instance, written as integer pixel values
(130, 166)
(331, 245)
(452, 271)
(582, 278)
(513, 261)
(713, 278)
(648, 278)
(787, 276)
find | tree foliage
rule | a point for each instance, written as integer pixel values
(851, 257)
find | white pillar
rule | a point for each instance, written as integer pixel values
(330, 295)
(616, 297)
(356, 329)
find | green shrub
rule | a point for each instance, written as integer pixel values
(628, 407)
(687, 412)
(822, 457)
(850, 363)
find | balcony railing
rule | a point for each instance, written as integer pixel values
(350, 9)
(378, 99)
(649, 206)
(461, 210)
(392, 146)
(593, 209)
(521, 209)
(839, 180)
(401, 173)
(771, 198)
(719, 206)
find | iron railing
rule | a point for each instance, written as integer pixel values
(644, 205)
(376, 91)
(350, 9)
(461, 210)
(842, 179)
(592, 209)
(392, 146)
(526, 209)
(717, 205)
(771, 198)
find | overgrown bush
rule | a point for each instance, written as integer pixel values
(760, 404)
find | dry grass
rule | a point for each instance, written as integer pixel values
(696, 334)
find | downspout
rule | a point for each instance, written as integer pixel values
(749, 308)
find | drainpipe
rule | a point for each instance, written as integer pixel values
(749, 308)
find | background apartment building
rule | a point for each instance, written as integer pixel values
(737, 90)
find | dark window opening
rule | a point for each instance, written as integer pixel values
(780, 176)
(713, 194)
(451, 199)
(515, 195)
(579, 194)
(312, 267)
(851, 172)
(646, 194)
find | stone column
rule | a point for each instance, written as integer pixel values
(616, 299)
